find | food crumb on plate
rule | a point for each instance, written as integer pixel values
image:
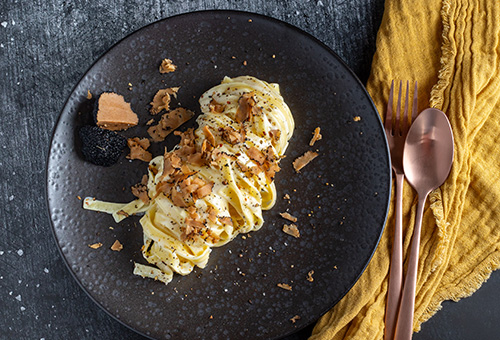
(291, 229)
(284, 286)
(316, 136)
(302, 161)
(167, 66)
(117, 246)
(295, 318)
(95, 245)
(310, 276)
(289, 217)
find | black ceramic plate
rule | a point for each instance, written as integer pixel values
(340, 199)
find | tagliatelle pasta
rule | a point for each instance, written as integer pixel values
(215, 183)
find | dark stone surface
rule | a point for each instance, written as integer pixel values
(45, 47)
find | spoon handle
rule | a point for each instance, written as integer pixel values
(396, 269)
(404, 325)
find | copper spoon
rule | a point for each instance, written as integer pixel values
(427, 159)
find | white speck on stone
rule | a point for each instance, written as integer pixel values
(42, 338)
(2, 45)
(297, 12)
(225, 289)
(13, 22)
(46, 270)
(1, 252)
(18, 298)
(20, 252)
(320, 3)
(4, 24)
(19, 281)
(23, 308)
(10, 293)
(11, 197)
(37, 285)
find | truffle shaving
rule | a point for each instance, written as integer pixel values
(316, 136)
(138, 147)
(169, 122)
(161, 100)
(291, 229)
(289, 217)
(167, 66)
(303, 160)
(114, 113)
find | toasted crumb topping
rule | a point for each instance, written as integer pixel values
(356, 118)
(316, 136)
(289, 217)
(167, 66)
(295, 319)
(117, 246)
(291, 229)
(138, 147)
(89, 95)
(303, 160)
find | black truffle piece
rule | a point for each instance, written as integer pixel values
(101, 147)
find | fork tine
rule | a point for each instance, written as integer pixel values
(414, 109)
(405, 115)
(397, 128)
(388, 113)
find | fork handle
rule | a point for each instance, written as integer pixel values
(404, 325)
(396, 267)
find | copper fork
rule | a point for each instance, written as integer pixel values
(396, 136)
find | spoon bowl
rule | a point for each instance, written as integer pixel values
(427, 160)
(428, 152)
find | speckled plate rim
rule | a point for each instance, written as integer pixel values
(228, 12)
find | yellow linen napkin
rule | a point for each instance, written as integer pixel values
(452, 49)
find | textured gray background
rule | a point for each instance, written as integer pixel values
(45, 47)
